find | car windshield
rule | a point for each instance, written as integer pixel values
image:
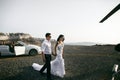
(22, 43)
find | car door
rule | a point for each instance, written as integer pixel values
(19, 49)
(4, 50)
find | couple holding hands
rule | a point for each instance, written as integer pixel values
(55, 67)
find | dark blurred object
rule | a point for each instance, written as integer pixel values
(11, 47)
(111, 13)
(117, 47)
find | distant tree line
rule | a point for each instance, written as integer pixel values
(27, 38)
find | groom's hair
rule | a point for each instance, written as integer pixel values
(47, 34)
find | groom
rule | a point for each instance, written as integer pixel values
(46, 55)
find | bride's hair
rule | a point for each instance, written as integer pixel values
(60, 36)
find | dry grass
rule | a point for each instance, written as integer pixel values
(81, 63)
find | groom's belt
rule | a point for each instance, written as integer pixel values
(47, 54)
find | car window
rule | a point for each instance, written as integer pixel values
(18, 44)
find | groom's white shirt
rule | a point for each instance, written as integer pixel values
(46, 47)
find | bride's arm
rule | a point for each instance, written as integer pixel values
(55, 53)
(55, 50)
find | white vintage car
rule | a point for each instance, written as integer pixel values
(20, 48)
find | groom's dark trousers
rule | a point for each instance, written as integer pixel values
(47, 65)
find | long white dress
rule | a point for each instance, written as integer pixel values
(57, 65)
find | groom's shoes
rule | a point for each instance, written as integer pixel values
(41, 73)
(49, 79)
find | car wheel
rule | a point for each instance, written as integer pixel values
(33, 52)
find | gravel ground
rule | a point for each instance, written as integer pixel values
(81, 63)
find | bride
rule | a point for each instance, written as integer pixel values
(57, 65)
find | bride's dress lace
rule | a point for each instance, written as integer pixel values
(57, 65)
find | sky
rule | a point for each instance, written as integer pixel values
(77, 20)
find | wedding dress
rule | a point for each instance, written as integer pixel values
(57, 65)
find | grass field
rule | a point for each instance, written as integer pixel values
(81, 63)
